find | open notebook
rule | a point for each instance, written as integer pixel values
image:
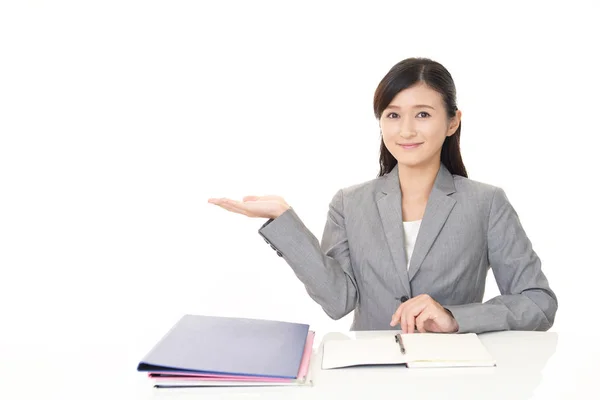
(422, 350)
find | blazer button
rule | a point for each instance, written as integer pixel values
(266, 240)
(273, 247)
(279, 254)
(404, 298)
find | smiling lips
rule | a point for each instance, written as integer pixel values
(408, 146)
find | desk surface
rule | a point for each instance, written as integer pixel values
(531, 365)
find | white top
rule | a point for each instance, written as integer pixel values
(411, 230)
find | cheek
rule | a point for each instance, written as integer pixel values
(389, 129)
(434, 133)
(388, 139)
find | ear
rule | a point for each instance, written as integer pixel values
(454, 123)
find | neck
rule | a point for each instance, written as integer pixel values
(417, 182)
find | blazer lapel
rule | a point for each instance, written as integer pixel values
(389, 204)
(437, 210)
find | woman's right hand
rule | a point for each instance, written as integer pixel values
(254, 206)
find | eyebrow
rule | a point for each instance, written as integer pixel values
(416, 106)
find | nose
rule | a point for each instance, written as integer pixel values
(407, 134)
(407, 130)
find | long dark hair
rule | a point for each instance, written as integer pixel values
(404, 75)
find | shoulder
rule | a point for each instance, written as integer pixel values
(361, 189)
(359, 192)
(473, 192)
(472, 187)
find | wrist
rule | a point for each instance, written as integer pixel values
(454, 323)
(282, 209)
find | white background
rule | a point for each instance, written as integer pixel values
(119, 119)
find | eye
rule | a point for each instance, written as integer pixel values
(393, 115)
(424, 114)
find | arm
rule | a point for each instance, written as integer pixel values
(526, 301)
(324, 269)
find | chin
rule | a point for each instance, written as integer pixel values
(414, 163)
(410, 165)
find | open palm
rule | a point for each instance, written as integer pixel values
(254, 206)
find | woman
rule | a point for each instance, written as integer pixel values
(415, 244)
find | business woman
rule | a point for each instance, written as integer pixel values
(412, 247)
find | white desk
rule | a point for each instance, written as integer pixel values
(530, 365)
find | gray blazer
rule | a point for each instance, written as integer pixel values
(467, 227)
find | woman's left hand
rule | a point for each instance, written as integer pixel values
(425, 315)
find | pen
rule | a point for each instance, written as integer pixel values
(399, 341)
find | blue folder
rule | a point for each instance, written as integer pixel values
(229, 346)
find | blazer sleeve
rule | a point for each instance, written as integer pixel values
(324, 269)
(526, 301)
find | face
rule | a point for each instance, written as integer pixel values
(415, 125)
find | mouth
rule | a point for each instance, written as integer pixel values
(409, 146)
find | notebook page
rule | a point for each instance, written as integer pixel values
(440, 349)
(363, 351)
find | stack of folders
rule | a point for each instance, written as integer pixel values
(201, 351)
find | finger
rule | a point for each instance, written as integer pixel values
(402, 320)
(251, 208)
(233, 206)
(266, 198)
(409, 318)
(396, 315)
(396, 318)
(432, 326)
(422, 319)
(234, 209)
(219, 200)
(420, 299)
(412, 311)
(251, 198)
